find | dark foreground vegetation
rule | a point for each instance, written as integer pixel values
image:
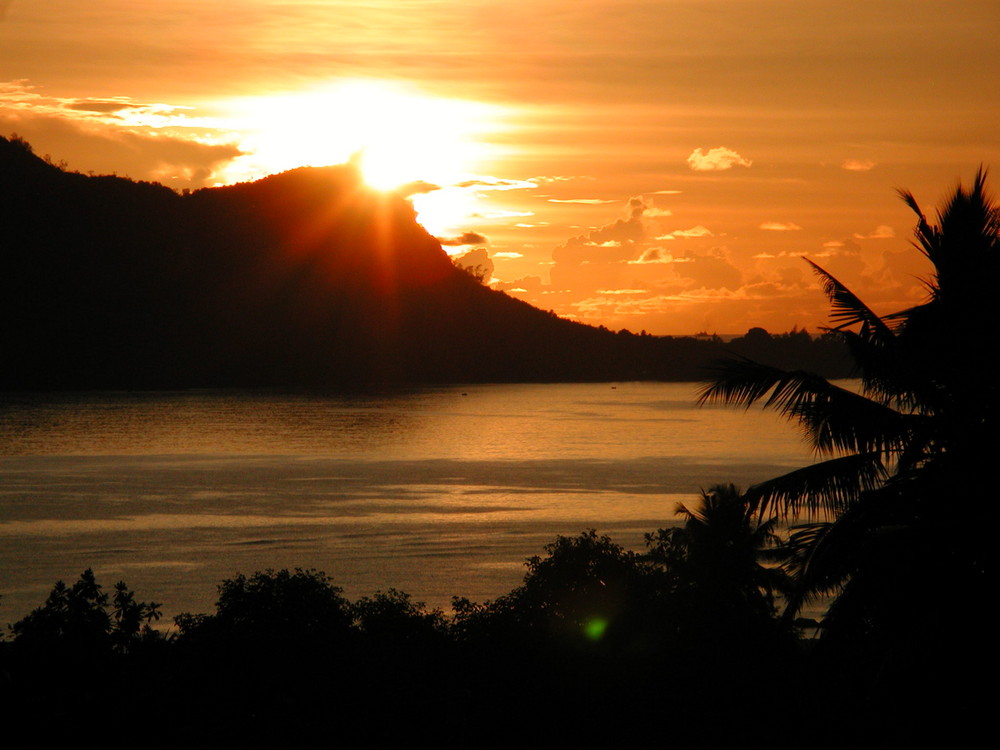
(306, 278)
(682, 644)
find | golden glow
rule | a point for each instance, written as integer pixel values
(399, 134)
(396, 134)
(444, 211)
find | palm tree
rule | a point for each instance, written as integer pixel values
(873, 522)
(716, 559)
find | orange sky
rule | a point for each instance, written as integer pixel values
(649, 164)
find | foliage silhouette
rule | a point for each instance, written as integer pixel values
(393, 616)
(913, 444)
(716, 559)
(273, 607)
(586, 593)
(82, 618)
(285, 657)
(76, 652)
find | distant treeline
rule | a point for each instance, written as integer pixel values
(304, 278)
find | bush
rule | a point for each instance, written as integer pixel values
(274, 606)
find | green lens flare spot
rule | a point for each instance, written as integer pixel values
(594, 628)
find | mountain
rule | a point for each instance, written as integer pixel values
(301, 278)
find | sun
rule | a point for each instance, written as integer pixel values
(397, 134)
(409, 138)
(402, 134)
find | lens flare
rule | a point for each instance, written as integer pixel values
(595, 627)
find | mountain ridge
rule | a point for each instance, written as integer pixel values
(305, 278)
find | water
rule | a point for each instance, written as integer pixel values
(437, 492)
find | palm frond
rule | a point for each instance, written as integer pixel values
(884, 369)
(927, 236)
(830, 486)
(835, 418)
(797, 555)
(838, 420)
(848, 309)
(963, 246)
(743, 382)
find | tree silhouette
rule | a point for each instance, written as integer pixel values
(83, 618)
(280, 608)
(717, 560)
(587, 591)
(914, 442)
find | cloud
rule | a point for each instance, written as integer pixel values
(508, 255)
(782, 254)
(496, 183)
(624, 233)
(881, 232)
(22, 97)
(107, 107)
(417, 187)
(711, 271)
(145, 141)
(500, 213)
(653, 255)
(716, 159)
(477, 261)
(466, 238)
(698, 231)
(857, 165)
(585, 201)
(605, 305)
(559, 178)
(779, 226)
(665, 192)
(599, 257)
(524, 285)
(612, 268)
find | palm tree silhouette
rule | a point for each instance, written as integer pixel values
(874, 526)
(718, 556)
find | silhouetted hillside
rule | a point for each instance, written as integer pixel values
(302, 278)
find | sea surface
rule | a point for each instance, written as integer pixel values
(437, 492)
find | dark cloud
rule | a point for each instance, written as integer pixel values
(104, 107)
(466, 238)
(653, 255)
(416, 187)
